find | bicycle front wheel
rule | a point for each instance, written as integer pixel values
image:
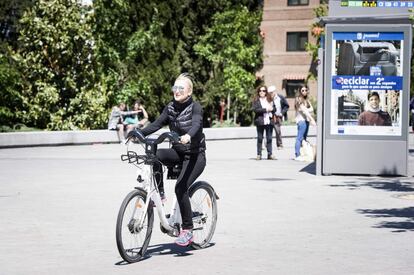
(134, 226)
(204, 207)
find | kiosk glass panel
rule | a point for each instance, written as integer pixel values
(366, 91)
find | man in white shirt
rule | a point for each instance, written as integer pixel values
(282, 107)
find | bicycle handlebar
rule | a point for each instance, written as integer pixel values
(150, 145)
(172, 136)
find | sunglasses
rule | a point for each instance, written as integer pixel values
(177, 88)
(263, 90)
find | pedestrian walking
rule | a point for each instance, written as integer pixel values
(304, 117)
(282, 106)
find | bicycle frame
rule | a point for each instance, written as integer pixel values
(153, 196)
(132, 233)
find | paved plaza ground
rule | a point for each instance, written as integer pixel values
(58, 208)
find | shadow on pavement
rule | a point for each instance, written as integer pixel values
(171, 249)
(168, 249)
(165, 249)
(310, 168)
(264, 158)
(405, 216)
(399, 226)
(392, 185)
(126, 263)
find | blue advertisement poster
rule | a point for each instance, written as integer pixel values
(367, 83)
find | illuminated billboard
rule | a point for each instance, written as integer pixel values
(366, 83)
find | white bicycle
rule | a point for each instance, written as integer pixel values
(136, 215)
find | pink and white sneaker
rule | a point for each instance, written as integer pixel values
(185, 238)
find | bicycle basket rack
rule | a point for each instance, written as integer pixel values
(132, 157)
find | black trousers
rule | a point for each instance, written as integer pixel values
(193, 165)
(278, 132)
(260, 129)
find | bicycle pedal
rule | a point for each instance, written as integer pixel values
(197, 214)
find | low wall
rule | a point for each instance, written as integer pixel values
(54, 138)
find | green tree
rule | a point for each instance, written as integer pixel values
(10, 79)
(10, 99)
(71, 64)
(10, 13)
(135, 52)
(317, 31)
(234, 48)
(156, 45)
(56, 59)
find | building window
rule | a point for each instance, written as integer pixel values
(296, 41)
(292, 87)
(298, 2)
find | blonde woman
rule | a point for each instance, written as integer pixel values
(185, 117)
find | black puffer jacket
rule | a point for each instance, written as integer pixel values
(182, 118)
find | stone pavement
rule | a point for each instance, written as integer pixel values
(58, 208)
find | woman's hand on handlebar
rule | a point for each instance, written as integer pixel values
(184, 139)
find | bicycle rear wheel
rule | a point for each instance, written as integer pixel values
(204, 207)
(132, 238)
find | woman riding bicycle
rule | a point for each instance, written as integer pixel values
(185, 117)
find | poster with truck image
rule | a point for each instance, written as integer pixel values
(367, 83)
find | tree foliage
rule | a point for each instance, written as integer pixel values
(60, 88)
(10, 13)
(317, 31)
(10, 99)
(234, 48)
(69, 63)
(10, 78)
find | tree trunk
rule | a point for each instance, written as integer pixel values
(235, 116)
(228, 105)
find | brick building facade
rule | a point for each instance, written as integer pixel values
(286, 26)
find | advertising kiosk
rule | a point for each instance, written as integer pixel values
(364, 88)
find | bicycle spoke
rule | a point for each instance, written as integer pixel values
(200, 202)
(204, 216)
(134, 227)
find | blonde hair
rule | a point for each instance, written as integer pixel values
(187, 78)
